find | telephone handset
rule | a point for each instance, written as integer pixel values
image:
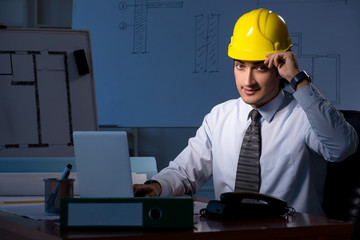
(247, 205)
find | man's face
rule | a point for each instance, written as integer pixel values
(256, 83)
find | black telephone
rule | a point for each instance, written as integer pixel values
(247, 205)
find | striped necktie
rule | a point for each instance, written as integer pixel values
(248, 170)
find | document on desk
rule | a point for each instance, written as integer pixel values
(198, 206)
(26, 206)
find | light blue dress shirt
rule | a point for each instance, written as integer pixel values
(299, 132)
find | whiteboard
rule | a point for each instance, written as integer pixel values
(43, 97)
(165, 64)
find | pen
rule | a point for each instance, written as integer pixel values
(53, 194)
(66, 172)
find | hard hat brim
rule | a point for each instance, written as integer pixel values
(252, 55)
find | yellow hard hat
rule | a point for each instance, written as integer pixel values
(258, 33)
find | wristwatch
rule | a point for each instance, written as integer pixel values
(298, 78)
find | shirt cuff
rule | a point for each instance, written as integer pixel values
(164, 188)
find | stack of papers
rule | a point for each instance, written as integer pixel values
(26, 206)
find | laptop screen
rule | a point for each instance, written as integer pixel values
(103, 164)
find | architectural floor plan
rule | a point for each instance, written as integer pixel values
(43, 97)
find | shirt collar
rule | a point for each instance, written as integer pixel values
(268, 110)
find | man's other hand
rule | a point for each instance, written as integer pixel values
(147, 190)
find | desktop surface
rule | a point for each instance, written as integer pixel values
(299, 226)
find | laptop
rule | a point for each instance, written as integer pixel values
(103, 164)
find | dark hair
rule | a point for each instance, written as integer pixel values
(283, 82)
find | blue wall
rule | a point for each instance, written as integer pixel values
(162, 65)
(165, 64)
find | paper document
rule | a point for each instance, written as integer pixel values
(26, 206)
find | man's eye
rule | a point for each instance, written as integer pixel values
(239, 66)
(262, 68)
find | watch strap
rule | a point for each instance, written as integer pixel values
(298, 78)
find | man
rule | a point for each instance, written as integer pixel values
(300, 131)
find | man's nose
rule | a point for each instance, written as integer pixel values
(249, 78)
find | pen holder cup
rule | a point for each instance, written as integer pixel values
(55, 190)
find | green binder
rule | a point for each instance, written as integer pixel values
(147, 213)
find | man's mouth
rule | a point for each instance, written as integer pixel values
(250, 91)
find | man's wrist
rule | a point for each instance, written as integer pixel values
(302, 84)
(156, 186)
(299, 80)
(150, 181)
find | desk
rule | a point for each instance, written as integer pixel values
(300, 226)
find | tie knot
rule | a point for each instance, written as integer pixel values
(255, 115)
